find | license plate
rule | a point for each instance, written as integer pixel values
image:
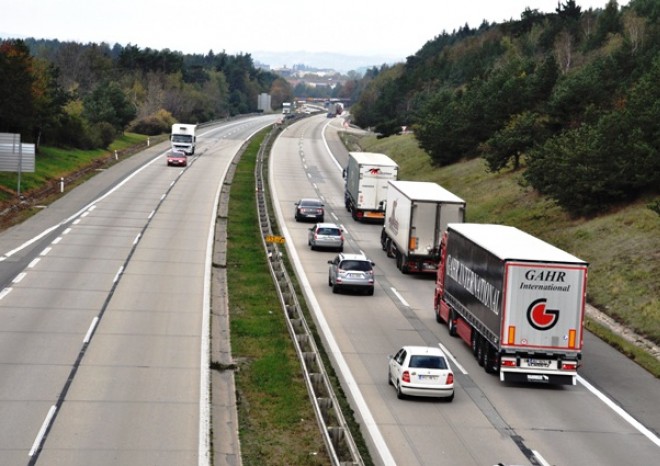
(354, 275)
(538, 363)
(428, 377)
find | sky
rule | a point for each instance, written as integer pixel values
(384, 28)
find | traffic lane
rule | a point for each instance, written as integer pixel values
(367, 330)
(141, 372)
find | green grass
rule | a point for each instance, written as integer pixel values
(621, 246)
(277, 425)
(54, 163)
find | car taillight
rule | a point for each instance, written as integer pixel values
(450, 378)
(405, 376)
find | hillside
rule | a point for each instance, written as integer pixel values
(622, 245)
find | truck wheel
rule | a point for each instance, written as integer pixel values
(437, 316)
(481, 350)
(451, 325)
(389, 248)
(490, 365)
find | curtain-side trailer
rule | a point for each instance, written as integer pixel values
(516, 300)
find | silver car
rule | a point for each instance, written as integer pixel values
(351, 272)
(325, 235)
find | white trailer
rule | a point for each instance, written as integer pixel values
(416, 215)
(367, 174)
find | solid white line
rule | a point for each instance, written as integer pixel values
(617, 409)
(88, 336)
(42, 431)
(396, 293)
(453, 359)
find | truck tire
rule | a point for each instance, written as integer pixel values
(474, 342)
(451, 325)
(438, 319)
(390, 248)
(490, 366)
(481, 350)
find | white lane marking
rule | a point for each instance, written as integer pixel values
(540, 458)
(396, 293)
(453, 359)
(67, 231)
(119, 272)
(42, 431)
(617, 409)
(46, 251)
(19, 277)
(5, 292)
(88, 335)
(137, 238)
(33, 263)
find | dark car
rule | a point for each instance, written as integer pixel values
(177, 158)
(309, 209)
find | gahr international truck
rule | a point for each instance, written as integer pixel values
(367, 174)
(416, 215)
(516, 300)
(184, 138)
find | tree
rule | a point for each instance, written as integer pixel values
(511, 142)
(108, 103)
(16, 80)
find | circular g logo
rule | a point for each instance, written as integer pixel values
(540, 317)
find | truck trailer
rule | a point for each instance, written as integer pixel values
(516, 300)
(184, 138)
(366, 175)
(416, 216)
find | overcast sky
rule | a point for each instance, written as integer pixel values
(388, 28)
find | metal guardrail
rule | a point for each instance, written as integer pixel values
(337, 436)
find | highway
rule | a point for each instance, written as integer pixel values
(103, 307)
(104, 314)
(611, 417)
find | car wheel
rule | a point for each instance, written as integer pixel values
(370, 291)
(399, 393)
(341, 248)
(312, 247)
(329, 281)
(450, 398)
(335, 289)
(389, 377)
(321, 220)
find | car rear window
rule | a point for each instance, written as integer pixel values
(363, 266)
(328, 231)
(428, 362)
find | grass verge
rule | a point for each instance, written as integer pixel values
(277, 424)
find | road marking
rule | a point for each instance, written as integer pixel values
(396, 293)
(617, 409)
(42, 431)
(453, 359)
(88, 336)
(5, 292)
(19, 277)
(34, 262)
(46, 251)
(540, 459)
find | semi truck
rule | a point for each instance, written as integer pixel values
(184, 138)
(516, 300)
(366, 176)
(416, 215)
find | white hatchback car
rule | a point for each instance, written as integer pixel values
(421, 371)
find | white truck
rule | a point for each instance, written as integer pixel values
(366, 175)
(184, 138)
(516, 300)
(416, 216)
(287, 108)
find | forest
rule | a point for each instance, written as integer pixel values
(570, 99)
(67, 94)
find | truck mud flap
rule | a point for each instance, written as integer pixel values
(548, 379)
